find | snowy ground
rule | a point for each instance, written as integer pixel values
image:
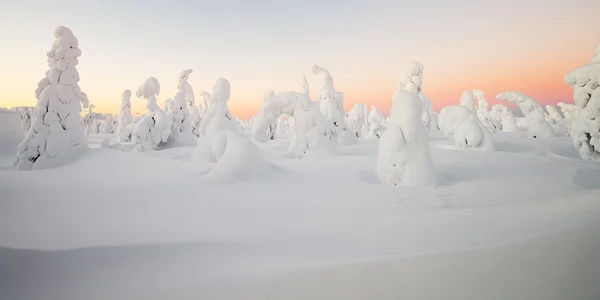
(152, 226)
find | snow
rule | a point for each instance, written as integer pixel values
(26, 116)
(503, 118)
(125, 123)
(178, 110)
(483, 110)
(537, 127)
(56, 137)
(10, 130)
(357, 120)
(377, 122)
(155, 127)
(464, 128)
(467, 99)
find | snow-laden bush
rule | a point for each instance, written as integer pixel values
(569, 111)
(483, 110)
(503, 118)
(357, 120)
(377, 123)
(26, 113)
(221, 141)
(585, 128)
(404, 155)
(155, 127)
(56, 136)
(182, 125)
(413, 74)
(125, 120)
(109, 124)
(309, 124)
(537, 127)
(332, 107)
(461, 124)
(467, 99)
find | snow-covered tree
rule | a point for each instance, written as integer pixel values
(404, 155)
(332, 107)
(272, 129)
(465, 129)
(555, 120)
(308, 126)
(178, 111)
(503, 118)
(125, 120)
(569, 111)
(206, 99)
(537, 127)
(220, 140)
(467, 99)
(305, 89)
(585, 128)
(413, 74)
(357, 120)
(155, 127)
(109, 125)
(377, 123)
(26, 116)
(91, 121)
(56, 136)
(483, 111)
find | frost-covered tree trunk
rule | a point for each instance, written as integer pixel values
(332, 107)
(178, 111)
(404, 155)
(585, 128)
(26, 116)
(537, 127)
(125, 120)
(155, 127)
(56, 136)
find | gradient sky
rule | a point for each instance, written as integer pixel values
(492, 45)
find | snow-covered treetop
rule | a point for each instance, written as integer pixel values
(468, 100)
(221, 91)
(328, 90)
(62, 58)
(305, 89)
(411, 77)
(184, 87)
(479, 94)
(148, 90)
(125, 98)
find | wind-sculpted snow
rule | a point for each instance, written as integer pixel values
(56, 136)
(537, 127)
(155, 127)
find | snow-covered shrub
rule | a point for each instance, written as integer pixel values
(461, 124)
(357, 120)
(569, 111)
(537, 127)
(332, 107)
(109, 125)
(585, 128)
(503, 118)
(155, 127)
(483, 112)
(467, 99)
(182, 125)
(125, 120)
(56, 136)
(413, 74)
(221, 141)
(308, 125)
(404, 155)
(26, 116)
(377, 123)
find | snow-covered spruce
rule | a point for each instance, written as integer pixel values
(377, 123)
(503, 118)
(569, 111)
(56, 136)
(585, 128)
(404, 155)
(537, 127)
(332, 107)
(26, 116)
(357, 120)
(467, 99)
(182, 125)
(413, 74)
(308, 126)
(155, 127)
(125, 120)
(221, 141)
(109, 124)
(483, 110)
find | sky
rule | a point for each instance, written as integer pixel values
(495, 46)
